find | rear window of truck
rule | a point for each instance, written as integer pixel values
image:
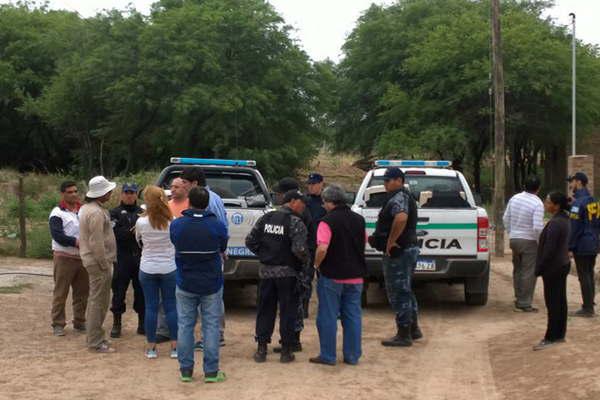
(429, 191)
(230, 185)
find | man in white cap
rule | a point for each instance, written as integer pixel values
(98, 250)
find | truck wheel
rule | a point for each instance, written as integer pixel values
(476, 299)
(476, 289)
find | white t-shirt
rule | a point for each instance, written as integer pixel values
(158, 253)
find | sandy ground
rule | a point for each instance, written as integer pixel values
(467, 353)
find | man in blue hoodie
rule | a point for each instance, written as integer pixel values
(584, 242)
(200, 241)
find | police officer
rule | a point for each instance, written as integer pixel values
(127, 267)
(279, 241)
(396, 236)
(306, 275)
(584, 242)
(315, 185)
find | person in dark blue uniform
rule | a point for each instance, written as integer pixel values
(584, 242)
(127, 268)
(315, 185)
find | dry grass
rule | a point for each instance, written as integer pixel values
(336, 168)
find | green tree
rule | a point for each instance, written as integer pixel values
(416, 81)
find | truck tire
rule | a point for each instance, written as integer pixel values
(476, 289)
(476, 299)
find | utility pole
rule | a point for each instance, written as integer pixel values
(574, 89)
(499, 153)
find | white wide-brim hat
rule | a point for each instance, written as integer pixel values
(99, 186)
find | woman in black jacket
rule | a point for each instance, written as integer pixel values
(553, 266)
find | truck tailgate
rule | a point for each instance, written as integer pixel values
(441, 232)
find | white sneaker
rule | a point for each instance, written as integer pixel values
(174, 354)
(151, 354)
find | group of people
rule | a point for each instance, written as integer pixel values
(173, 251)
(573, 232)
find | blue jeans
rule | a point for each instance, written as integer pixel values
(398, 272)
(338, 299)
(188, 307)
(157, 287)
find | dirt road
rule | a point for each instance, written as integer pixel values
(468, 353)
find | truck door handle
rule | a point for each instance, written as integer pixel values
(422, 233)
(423, 219)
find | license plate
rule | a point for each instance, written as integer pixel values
(425, 266)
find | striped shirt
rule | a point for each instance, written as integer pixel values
(524, 217)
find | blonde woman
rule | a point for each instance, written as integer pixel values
(157, 266)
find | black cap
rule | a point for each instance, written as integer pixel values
(129, 187)
(393, 173)
(314, 178)
(293, 195)
(286, 184)
(579, 176)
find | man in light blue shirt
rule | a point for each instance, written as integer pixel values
(194, 176)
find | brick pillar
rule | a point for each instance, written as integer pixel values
(583, 164)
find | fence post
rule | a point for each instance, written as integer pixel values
(22, 217)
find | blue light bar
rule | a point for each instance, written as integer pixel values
(213, 161)
(413, 163)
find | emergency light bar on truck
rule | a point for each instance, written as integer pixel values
(213, 161)
(413, 163)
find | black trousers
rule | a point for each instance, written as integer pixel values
(585, 273)
(555, 296)
(270, 293)
(127, 270)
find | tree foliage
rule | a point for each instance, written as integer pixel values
(210, 78)
(416, 83)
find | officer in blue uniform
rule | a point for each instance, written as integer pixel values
(584, 242)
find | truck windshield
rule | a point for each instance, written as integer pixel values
(430, 191)
(236, 188)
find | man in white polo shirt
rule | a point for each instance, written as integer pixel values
(524, 221)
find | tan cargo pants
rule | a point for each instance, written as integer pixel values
(98, 303)
(69, 273)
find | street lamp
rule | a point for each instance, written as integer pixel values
(573, 88)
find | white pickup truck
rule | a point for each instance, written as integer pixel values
(452, 229)
(246, 198)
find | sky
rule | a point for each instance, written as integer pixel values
(321, 26)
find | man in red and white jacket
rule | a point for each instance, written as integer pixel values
(68, 268)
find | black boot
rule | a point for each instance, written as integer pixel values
(141, 330)
(261, 353)
(115, 332)
(296, 347)
(415, 331)
(402, 338)
(287, 356)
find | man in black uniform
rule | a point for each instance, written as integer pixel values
(314, 185)
(396, 236)
(279, 240)
(127, 267)
(306, 275)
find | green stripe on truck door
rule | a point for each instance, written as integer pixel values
(371, 225)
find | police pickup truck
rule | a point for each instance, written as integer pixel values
(246, 199)
(452, 230)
